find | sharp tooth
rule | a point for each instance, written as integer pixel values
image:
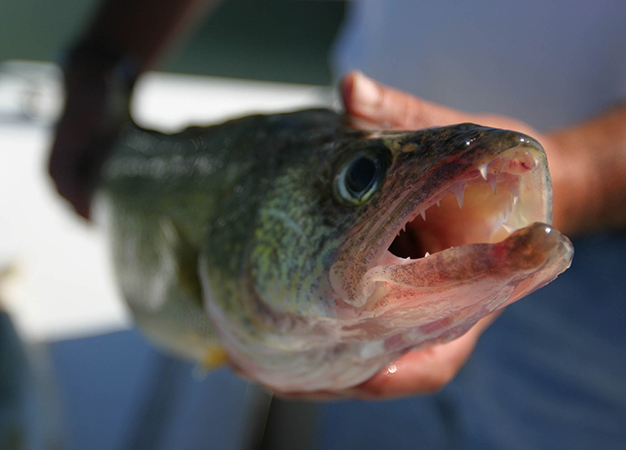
(492, 183)
(439, 203)
(507, 212)
(510, 228)
(483, 170)
(497, 225)
(423, 214)
(515, 190)
(515, 200)
(426, 255)
(458, 190)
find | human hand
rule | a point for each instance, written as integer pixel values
(123, 39)
(380, 105)
(423, 371)
(96, 103)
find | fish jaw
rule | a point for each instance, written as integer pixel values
(437, 265)
(435, 299)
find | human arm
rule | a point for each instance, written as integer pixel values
(125, 38)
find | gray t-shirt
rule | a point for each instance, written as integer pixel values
(547, 62)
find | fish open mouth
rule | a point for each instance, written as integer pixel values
(484, 205)
(482, 239)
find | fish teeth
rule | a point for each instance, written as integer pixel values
(438, 202)
(515, 190)
(423, 214)
(510, 228)
(459, 190)
(426, 255)
(492, 184)
(483, 170)
(507, 213)
(498, 224)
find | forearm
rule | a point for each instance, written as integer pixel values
(588, 163)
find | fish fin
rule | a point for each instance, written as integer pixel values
(158, 271)
(214, 357)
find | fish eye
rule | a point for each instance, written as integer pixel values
(360, 177)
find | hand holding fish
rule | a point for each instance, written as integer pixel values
(310, 254)
(421, 371)
(572, 169)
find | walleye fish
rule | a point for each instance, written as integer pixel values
(311, 254)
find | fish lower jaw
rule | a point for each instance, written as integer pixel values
(484, 205)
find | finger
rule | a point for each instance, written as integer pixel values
(375, 102)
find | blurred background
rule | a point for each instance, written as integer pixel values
(79, 376)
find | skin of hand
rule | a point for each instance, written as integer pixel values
(576, 172)
(123, 39)
(85, 132)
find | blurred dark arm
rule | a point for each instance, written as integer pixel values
(124, 38)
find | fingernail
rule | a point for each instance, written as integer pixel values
(365, 90)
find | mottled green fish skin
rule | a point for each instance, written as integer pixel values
(226, 235)
(253, 196)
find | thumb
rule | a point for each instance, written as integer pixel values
(374, 102)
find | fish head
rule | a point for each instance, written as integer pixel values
(368, 244)
(455, 224)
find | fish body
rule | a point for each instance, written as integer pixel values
(310, 254)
